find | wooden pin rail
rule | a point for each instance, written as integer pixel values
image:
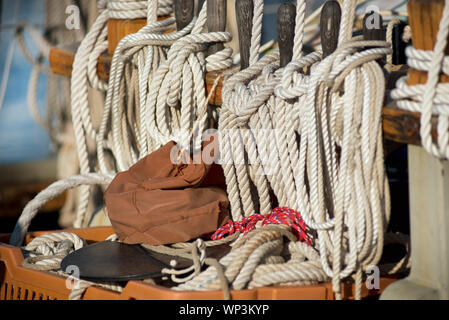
(400, 126)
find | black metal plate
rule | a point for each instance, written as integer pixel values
(111, 261)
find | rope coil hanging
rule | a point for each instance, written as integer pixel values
(170, 68)
(333, 175)
(248, 102)
(84, 74)
(185, 54)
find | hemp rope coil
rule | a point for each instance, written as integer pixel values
(336, 176)
(84, 72)
(186, 54)
(46, 252)
(261, 257)
(170, 69)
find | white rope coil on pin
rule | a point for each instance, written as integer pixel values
(147, 49)
(249, 103)
(84, 74)
(347, 189)
(176, 106)
(336, 176)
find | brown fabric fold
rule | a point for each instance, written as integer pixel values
(159, 202)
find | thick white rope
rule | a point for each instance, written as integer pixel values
(326, 119)
(84, 73)
(269, 256)
(46, 252)
(432, 97)
(336, 177)
(52, 191)
(170, 70)
(240, 103)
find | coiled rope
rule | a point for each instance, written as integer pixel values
(84, 73)
(335, 178)
(46, 252)
(170, 71)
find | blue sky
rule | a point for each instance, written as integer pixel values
(21, 138)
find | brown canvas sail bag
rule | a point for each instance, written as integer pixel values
(158, 202)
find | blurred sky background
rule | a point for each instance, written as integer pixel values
(21, 138)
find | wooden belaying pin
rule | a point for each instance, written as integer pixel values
(183, 12)
(286, 31)
(216, 21)
(244, 15)
(398, 44)
(330, 26)
(372, 26)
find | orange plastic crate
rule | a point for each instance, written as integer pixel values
(18, 283)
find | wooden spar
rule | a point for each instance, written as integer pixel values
(372, 26)
(117, 29)
(424, 18)
(398, 44)
(200, 6)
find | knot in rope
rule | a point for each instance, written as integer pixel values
(177, 105)
(280, 215)
(47, 251)
(294, 82)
